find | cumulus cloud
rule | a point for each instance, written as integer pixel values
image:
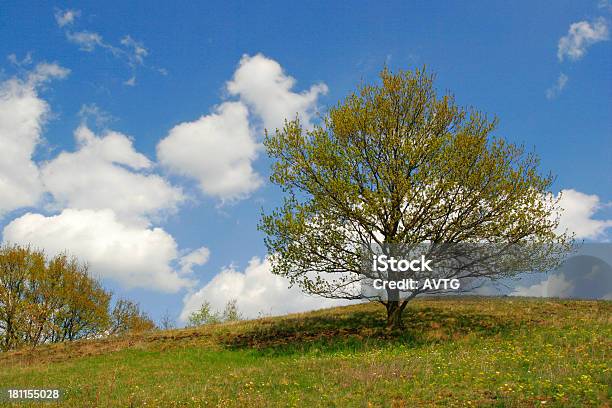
(553, 286)
(131, 255)
(107, 172)
(577, 217)
(197, 257)
(22, 116)
(66, 17)
(263, 85)
(217, 150)
(558, 87)
(105, 190)
(587, 275)
(580, 37)
(257, 291)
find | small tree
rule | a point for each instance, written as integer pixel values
(127, 317)
(204, 315)
(167, 322)
(397, 164)
(231, 312)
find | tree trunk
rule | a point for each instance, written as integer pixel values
(394, 315)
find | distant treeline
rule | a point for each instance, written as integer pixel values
(53, 299)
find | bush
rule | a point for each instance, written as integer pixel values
(206, 315)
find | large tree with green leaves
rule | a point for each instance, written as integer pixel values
(396, 163)
(54, 299)
(47, 299)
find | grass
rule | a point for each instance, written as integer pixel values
(504, 352)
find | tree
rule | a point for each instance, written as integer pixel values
(50, 300)
(47, 300)
(17, 265)
(127, 317)
(231, 312)
(167, 322)
(85, 303)
(396, 164)
(204, 315)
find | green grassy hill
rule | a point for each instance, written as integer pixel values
(454, 352)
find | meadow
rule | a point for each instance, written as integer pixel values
(470, 351)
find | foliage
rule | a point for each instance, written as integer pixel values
(127, 317)
(206, 315)
(231, 312)
(51, 300)
(84, 313)
(47, 300)
(395, 163)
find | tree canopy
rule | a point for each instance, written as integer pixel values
(396, 163)
(53, 299)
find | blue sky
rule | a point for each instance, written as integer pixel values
(144, 68)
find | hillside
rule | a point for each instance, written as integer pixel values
(454, 352)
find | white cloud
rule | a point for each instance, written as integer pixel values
(26, 60)
(106, 172)
(257, 291)
(107, 184)
(66, 17)
(129, 50)
(558, 87)
(553, 286)
(22, 116)
(130, 82)
(580, 36)
(262, 84)
(99, 117)
(604, 5)
(130, 255)
(44, 72)
(194, 258)
(87, 40)
(217, 150)
(136, 51)
(577, 216)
